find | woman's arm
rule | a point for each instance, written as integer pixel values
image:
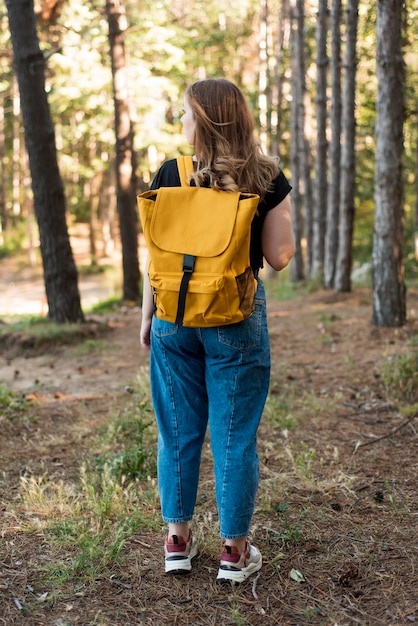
(147, 311)
(277, 239)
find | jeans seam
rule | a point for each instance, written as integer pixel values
(175, 428)
(227, 447)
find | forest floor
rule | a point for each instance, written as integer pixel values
(337, 513)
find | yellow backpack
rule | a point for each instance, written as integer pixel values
(198, 241)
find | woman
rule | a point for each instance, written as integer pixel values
(217, 375)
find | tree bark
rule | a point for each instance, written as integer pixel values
(125, 154)
(333, 198)
(415, 223)
(60, 272)
(302, 197)
(389, 294)
(263, 78)
(277, 90)
(347, 191)
(3, 179)
(297, 271)
(320, 208)
(304, 126)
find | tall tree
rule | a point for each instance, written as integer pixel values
(304, 139)
(389, 294)
(415, 218)
(297, 270)
(276, 127)
(60, 272)
(333, 198)
(320, 207)
(348, 158)
(125, 154)
(263, 76)
(3, 215)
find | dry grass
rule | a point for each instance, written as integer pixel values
(337, 509)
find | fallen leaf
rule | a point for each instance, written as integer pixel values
(296, 575)
(42, 597)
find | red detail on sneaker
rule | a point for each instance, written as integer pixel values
(177, 543)
(231, 554)
(175, 547)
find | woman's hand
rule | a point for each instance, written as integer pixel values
(145, 333)
(147, 311)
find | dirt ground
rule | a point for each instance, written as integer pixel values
(336, 520)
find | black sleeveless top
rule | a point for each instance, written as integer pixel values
(168, 176)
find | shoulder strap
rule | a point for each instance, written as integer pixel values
(185, 167)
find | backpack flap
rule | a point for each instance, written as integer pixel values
(185, 220)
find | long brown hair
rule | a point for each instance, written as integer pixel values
(228, 156)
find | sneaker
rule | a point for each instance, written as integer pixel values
(179, 554)
(236, 566)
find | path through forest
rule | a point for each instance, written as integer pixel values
(338, 500)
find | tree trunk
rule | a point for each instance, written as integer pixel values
(125, 155)
(60, 272)
(297, 271)
(347, 191)
(320, 208)
(3, 180)
(389, 294)
(263, 77)
(333, 198)
(304, 126)
(17, 153)
(277, 90)
(415, 224)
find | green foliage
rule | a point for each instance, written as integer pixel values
(97, 525)
(279, 406)
(237, 619)
(302, 460)
(281, 288)
(9, 247)
(88, 522)
(11, 403)
(24, 323)
(133, 433)
(88, 346)
(110, 305)
(40, 331)
(169, 44)
(6, 397)
(400, 376)
(290, 530)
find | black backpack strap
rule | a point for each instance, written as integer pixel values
(185, 168)
(188, 267)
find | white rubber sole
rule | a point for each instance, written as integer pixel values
(182, 564)
(239, 575)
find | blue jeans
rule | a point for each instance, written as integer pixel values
(218, 376)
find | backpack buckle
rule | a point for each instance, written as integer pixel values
(188, 263)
